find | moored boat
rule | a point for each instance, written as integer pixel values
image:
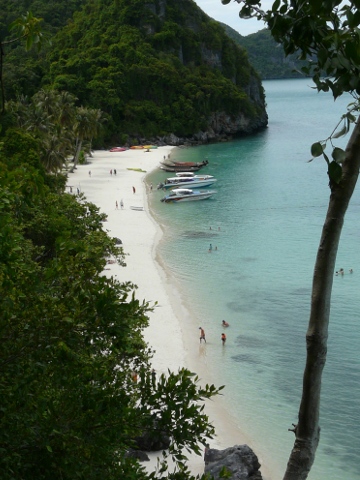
(174, 166)
(188, 180)
(187, 195)
(190, 164)
(173, 169)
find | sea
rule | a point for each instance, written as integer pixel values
(264, 225)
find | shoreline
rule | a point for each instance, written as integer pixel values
(167, 334)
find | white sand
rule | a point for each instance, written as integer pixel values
(174, 347)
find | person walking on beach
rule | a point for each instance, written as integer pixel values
(89, 173)
(134, 191)
(121, 204)
(116, 205)
(110, 172)
(202, 334)
(114, 171)
(223, 338)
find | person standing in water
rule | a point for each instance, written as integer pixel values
(202, 334)
(223, 338)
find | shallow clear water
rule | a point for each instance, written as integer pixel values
(265, 221)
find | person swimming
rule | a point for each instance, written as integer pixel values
(225, 324)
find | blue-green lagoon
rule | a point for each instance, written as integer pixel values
(266, 221)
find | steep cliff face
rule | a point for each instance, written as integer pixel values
(159, 69)
(220, 124)
(223, 127)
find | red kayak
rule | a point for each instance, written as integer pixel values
(118, 149)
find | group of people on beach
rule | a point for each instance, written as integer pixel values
(224, 324)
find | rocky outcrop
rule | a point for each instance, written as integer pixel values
(239, 460)
(222, 128)
(138, 454)
(153, 440)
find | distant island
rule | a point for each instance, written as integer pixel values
(266, 56)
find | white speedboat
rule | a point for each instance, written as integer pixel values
(187, 195)
(188, 179)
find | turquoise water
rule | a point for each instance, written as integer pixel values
(265, 221)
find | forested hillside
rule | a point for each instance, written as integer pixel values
(160, 69)
(266, 56)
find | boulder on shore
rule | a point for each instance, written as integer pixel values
(240, 460)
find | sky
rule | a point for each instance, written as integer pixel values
(229, 14)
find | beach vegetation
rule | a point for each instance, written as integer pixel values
(63, 129)
(76, 387)
(325, 35)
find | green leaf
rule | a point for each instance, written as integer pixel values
(338, 155)
(340, 133)
(317, 149)
(48, 448)
(335, 172)
(276, 5)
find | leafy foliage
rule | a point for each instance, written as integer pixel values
(70, 338)
(325, 33)
(61, 128)
(26, 27)
(146, 66)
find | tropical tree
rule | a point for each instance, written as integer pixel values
(62, 128)
(86, 126)
(327, 34)
(26, 27)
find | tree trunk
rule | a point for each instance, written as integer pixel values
(77, 154)
(2, 88)
(307, 431)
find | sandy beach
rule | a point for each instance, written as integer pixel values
(113, 179)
